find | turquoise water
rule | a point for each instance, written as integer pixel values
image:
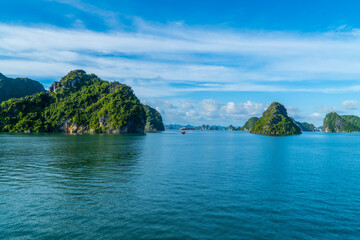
(202, 185)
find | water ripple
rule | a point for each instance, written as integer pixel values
(204, 185)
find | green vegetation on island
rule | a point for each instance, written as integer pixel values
(333, 122)
(208, 127)
(352, 119)
(231, 128)
(154, 120)
(78, 103)
(306, 127)
(249, 124)
(18, 87)
(275, 122)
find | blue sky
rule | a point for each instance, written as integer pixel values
(211, 62)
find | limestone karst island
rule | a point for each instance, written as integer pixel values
(191, 119)
(276, 122)
(78, 103)
(83, 103)
(334, 122)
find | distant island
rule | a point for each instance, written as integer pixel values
(18, 87)
(154, 120)
(276, 122)
(249, 124)
(203, 127)
(306, 127)
(333, 122)
(83, 103)
(79, 103)
(231, 128)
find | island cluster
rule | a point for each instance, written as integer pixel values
(83, 103)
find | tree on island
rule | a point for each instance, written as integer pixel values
(276, 122)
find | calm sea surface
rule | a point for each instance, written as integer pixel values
(202, 185)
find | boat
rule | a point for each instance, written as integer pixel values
(183, 132)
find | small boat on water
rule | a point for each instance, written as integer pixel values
(183, 132)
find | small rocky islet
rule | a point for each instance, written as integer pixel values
(79, 103)
(276, 122)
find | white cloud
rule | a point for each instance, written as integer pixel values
(328, 109)
(350, 104)
(246, 108)
(160, 103)
(208, 60)
(109, 17)
(207, 111)
(231, 108)
(192, 114)
(316, 115)
(187, 105)
(294, 112)
(210, 106)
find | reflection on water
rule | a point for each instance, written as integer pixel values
(202, 185)
(51, 184)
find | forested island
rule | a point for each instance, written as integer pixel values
(306, 127)
(154, 120)
(83, 103)
(249, 124)
(276, 122)
(334, 122)
(79, 103)
(18, 87)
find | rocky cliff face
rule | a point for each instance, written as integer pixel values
(275, 122)
(333, 122)
(78, 103)
(18, 87)
(73, 128)
(154, 120)
(75, 79)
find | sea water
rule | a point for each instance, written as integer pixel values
(201, 185)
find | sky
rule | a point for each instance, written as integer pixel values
(196, 62)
